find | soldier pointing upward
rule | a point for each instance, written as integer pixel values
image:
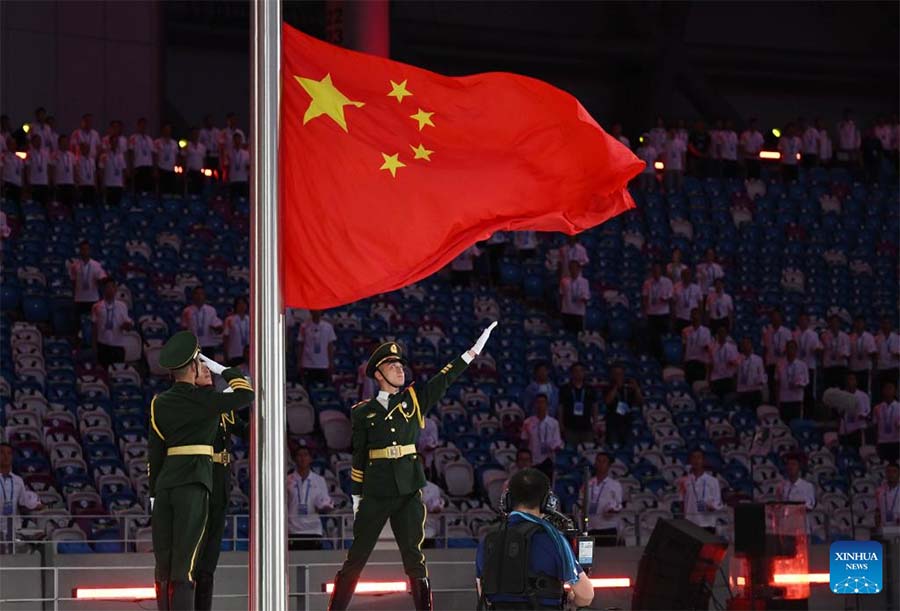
(387, 476)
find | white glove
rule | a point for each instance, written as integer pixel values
(356, 500)
(152, 500)
(212, 365)
(479, 345)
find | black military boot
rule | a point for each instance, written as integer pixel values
(182, 596)
(162, 595)
(421, 593)
(203, 591)
(342, 593)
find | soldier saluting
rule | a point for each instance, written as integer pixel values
(184, 424)
(387, 476)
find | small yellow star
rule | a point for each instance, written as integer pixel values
(391, 163)
(421, 152)
(326, 99)
(424, 118)
(399, 91)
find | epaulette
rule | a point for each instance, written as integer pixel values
(355, 405)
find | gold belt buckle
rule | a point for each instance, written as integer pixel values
(226, 458)
(393, 451)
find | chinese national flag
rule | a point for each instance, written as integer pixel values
(389, 171)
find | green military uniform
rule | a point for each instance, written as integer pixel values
(205, 567)
(184, 424)
(387, 472)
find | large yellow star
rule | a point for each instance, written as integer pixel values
(421, 152)
(424, 118)
(391, 163)
(399, 91)
(326, 100)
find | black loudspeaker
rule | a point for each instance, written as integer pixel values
(678, 567)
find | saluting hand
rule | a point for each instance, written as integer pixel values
(479, 344)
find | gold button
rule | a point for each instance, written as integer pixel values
(390, 417)
(393, 443)
(393, 430)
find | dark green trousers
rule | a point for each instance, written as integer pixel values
(208, 557)
(179, 530)
(407, 516)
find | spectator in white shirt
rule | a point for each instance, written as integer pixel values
(110, 319)
(808, 349)
(13, 172)
(887, 497)
(13, 495)
(604, 496)
(676, 266)
(238, 168)
(751, 144)
(574, 294)
(86, 176)
(572, 251)
(209, 138)
(751, 377)
(40, 128)
(541, 433)
(674, 151)
(315, 345)
(63, 162)
(793, 488)
(648, 154)
(700, 493)
(863, 352)
(789, 145)
(835, 353)
(114, 135)
(463, 266)
(226, 137)
(307, 497)
(855, 421)
(728, 150)
(114, 167)
(888, 342)
(236, 333)
(50, 137)
(719, 306)
(541, 384)
(887, 419)
(849, 140)
(724, 359)
(656, 136)
(792, 377)
(810, 139)
(201, 319)
(166, 151)
(194, 155)
(656, 304)
(86, 135)
(433, 499)
(826, 149)
(775, 338)
(708, 271)
(140, 146)
(86, 275)
(36, 170)
(696, 339)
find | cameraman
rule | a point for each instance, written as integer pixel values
(509, 579)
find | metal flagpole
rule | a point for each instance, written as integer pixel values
(268, 536)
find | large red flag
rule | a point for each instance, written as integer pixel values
(389, 171)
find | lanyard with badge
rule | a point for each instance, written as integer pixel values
(7, 495)
(543, 437)
(787, 493)
(303, 508)
(244, 326)
(578, 403)
(745, 372)
(595, 500)
(110, 311)
(86, 276)
(201, 321)
(701, 500)
(889, 421)
(317, 339)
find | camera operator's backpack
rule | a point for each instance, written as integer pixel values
(506, 569)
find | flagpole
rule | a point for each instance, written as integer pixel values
(268, 536)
